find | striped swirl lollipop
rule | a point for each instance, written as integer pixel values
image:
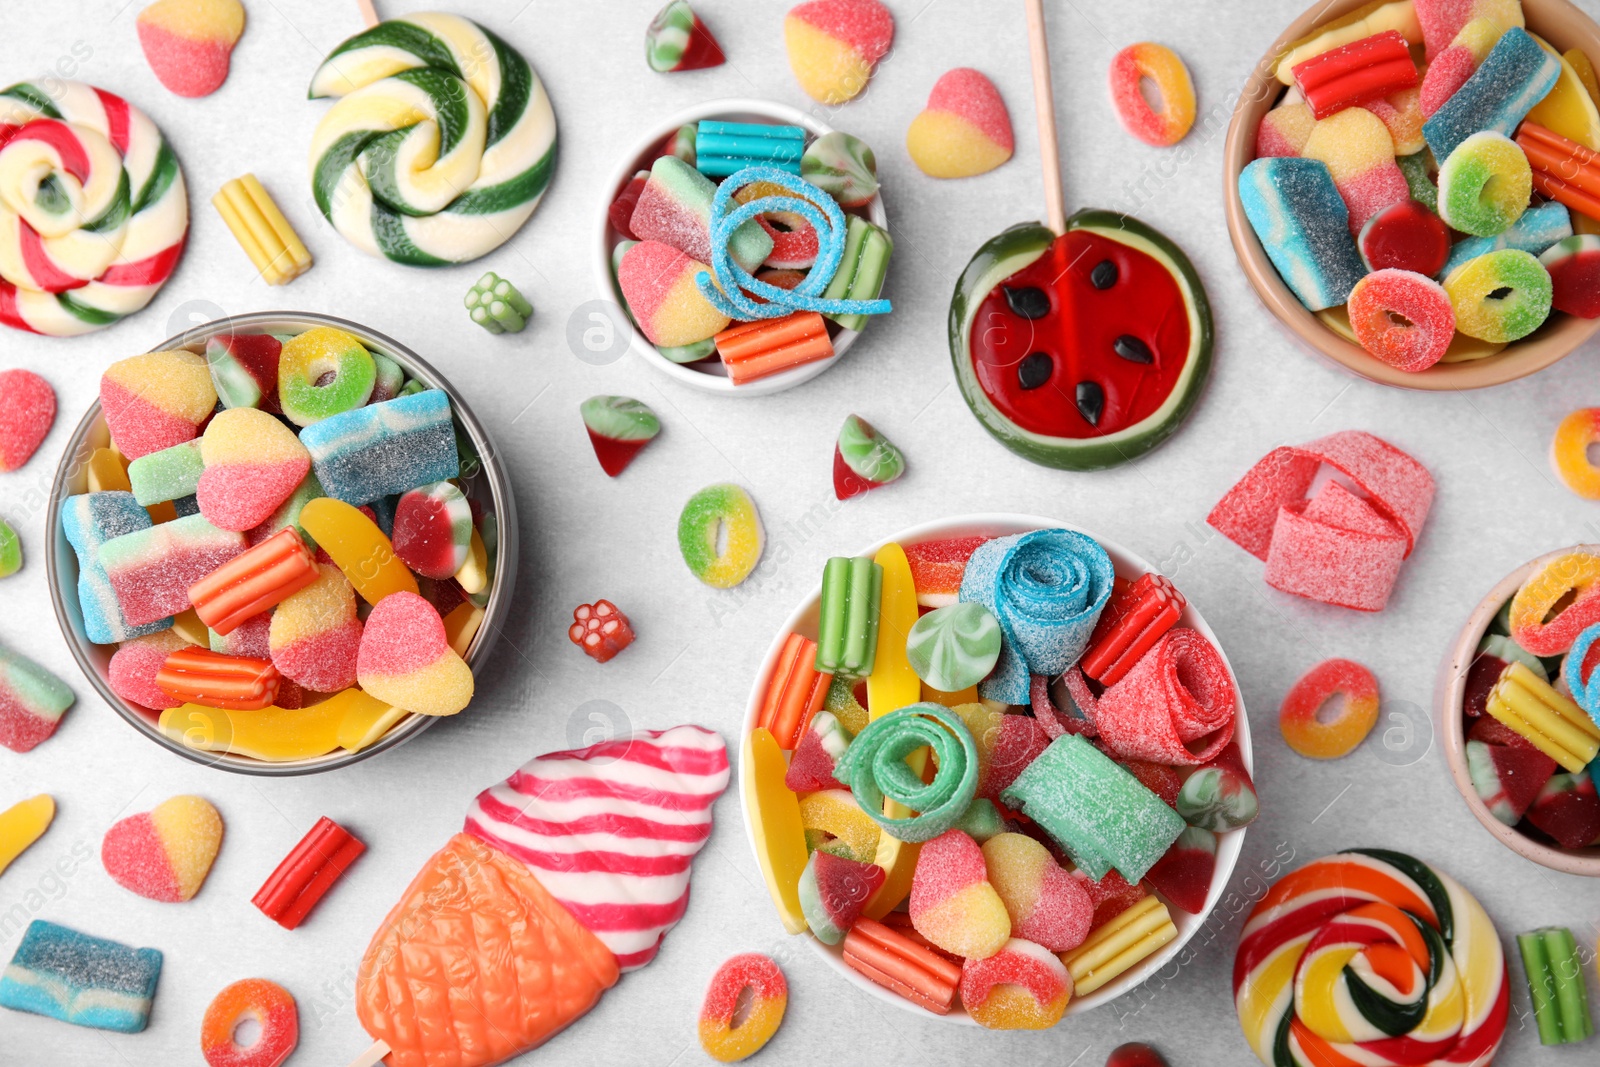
(1371, 957)
(440, 146)
(93, 208)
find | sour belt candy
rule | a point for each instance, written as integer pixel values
(386, 448)
(723, 1039)
(79, 979)
(847, 630)
(1176, 706)
(1302, 222)
(32, 701)
(307, 873)
(875, 768)
(1301, 723)
(255, 221)
(89, 520)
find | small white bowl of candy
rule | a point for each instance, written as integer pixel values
(804, 278)
(1043, 785)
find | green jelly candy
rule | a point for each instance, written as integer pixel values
(847, 632)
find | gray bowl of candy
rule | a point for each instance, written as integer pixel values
(665, 169)
(319, 424)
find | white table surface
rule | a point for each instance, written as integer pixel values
(586, 536)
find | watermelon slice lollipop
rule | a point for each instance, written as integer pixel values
(1096, 335)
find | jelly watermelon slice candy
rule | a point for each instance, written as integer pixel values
(1081, 351)
(833, 891)
(619, 427)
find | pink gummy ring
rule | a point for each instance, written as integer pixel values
(1403, 318)
(1315, 738)
(1176, 706)
(1161, 65)
(269, 1006)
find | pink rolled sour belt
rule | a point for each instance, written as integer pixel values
(1176, 706)
(1338, 545)
(611, 830)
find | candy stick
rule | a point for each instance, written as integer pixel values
(795, 692)
(374, 1055)
(255, 221)
(1555, 725)
(213, 680)
(1044, 107)
(1556, 985)
(895, 962)
(369, 17)
(1119, 944)
(307, 873)
(247, 585)
(497, 305)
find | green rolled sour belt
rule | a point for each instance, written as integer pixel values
(408, 88)
(874, 766)
(1089, 314)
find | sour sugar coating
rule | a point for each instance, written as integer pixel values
(1574, 266)
(1405, 236)
(134, 666)
(244, 370)
(658, 283)
(382, 449)
(253, 463)
(963, 130)
(834, 822)
(89, 520)
(600, 629)
(269, 1006)
(1359, 152)
(151, 570)
(1219, 796)
(619, 427)
(1501, 296)
(170, 474)
(954, 647)
(27, 411)
(1402, 114)
(1285, 129)
(164, 854)
(1183, 875)
(1046, 904)
(32, 702)
(875, 769)
(433, 530)
(1402, 318)
(1455, 64)
(1021, 987)
(156, 400)
(1485, 184)
(677, 40)
(675, 209)
(315, 636)
(323, 372)
(833, 892)
(1516, 75)
(359, 549)
(720, 514)
(405, 659)
(937, 568)
(1571, 581)
(188, 43)
(842, 166)
(496, 305)
(725, 1040)
(1161, 66)
(835, 44)
(87, 981)
(1357, 73)
(1302, 222)
(1176, 706)
(952, 903)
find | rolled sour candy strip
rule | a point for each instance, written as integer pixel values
(27, 411)
(253, 582)
(32, 702)
(964, 130)
(152, 570)
(724, 148)
(874, 766)
(88, 981)
(1094, 809)
(677, 40)
(496, 305)
(383, 449)
(1402, 318)
(724, 514)
(255, 221)
(1572, 580)
(864, 459)
(954, 647)
(752, 350)
(269, 1006)
(1574, 266)
(1537, 230)
(600, 629)
(1516, 75)
(1021, 987)
(1176, 706)
(1135, 617)
(891, 959)
(724, 1041)
(1485, 184)
(1569, 452)
(442, 145)
(1556, 986)
(1047, 589)
(1219, 796)
(833, 45)
(1119, 944)
(1302, 222)
(104, 210)
(619, 427)
(847, 629)
(862, 269)
(89, 520)
(1130, 68)
(1306, 732)
(842, 166)
(1553, 724)
(1357, 73)
(1405, 236)
(307, 873)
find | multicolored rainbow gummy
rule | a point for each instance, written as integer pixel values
(32, 701)
(151, 570)
(382, 449)
(156, 400)
(87, 981)
(89, 521)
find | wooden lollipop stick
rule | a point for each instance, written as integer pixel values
(374, 1055)
(369, 15)
(1044, 106)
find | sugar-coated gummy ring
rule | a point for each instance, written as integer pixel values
(1569, 452)
(1311, 737)
(720, 513)
(323, 372)
(1162, 66)
(722, 1040)
(1500, 296)
(1584, 690)
(1024, 986)
(1484, 185)
(875, 767)
(1577, 575)
(273, 1010)
(1402, 318)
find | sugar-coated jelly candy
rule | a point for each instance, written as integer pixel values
(600, 629)
(1175, 706)
(188, 43)
(1021, 987)
(726, 1038)
(721, 515)
(87, 981)
(1359, 152)
(1160, 65)
(842, 166)
(10, 550)
(677, 40)
(359, 549)
(658, 283)
(1046, 904)
(1516, 75)
(675, 209)
(323, 372)
(152, 570)
(833, 892)
(1184, 874)
(1285, 129)
(619, 428)
(937, 568)
(376, 451)
(253, 463)
(1556, 603)
(433, 530)
(269, 1006)
(170, 474)
(1485, 184)
(863, 459)
(1402, 114)
(244, 370)
(1405, 236)
(405, 659)
(963, 130)
(1569, 452)
(134, 666)
(164, 854)
(32, 702)
(1455, 64)
(1302, 222)
(1574, 266)
(1501, 296)
(315, 635)
(835, 823)
(822, 742)
(834, 44)
(1403, 318)
(952, 903)
(89, 520)
(27, 411)
(156, 400)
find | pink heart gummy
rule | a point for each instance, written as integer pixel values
(164, 854)
(27, 411)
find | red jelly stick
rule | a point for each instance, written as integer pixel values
(1139, 613)
(1356, 73)
(307, 873)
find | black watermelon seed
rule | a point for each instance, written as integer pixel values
(1091, 402)
(1132, 349)
(1028, 302)
(1034, 370)
(1104, 275)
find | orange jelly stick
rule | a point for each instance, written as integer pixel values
(249, 584)
(899, 964)
(754, 350)
(1562, 170)
(213, 680)
(795, 692)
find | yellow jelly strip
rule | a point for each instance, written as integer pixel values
(774, 815)
(473, 577)
(1524, 702)
(1119, 944)
(260, 228)
(275, 735)
(1579, 60)
(363, 718)
(22, 824)
(189, 627)
(358, 547)
(107, 472)
(1568, 109)
(461, 626)
(968, 695)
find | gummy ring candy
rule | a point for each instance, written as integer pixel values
(875, 767)
(849, 831)
(722, 512)
(1403, 318)
(1569, 452)
(1162, 66)
(273, 1010)
(1304, 732)
(1021, 987)
(1352, 958)
(1485, 184)
(1521, 308)
(722, 1040)
(322, 373)
(1576, 573)
(794, 240)
(1583, 681)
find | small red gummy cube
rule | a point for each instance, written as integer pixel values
(600, 629)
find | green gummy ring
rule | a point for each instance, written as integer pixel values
(318, 352)
(875, 767)
(1017, 248)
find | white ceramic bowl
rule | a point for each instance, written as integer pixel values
(709, 374)
(1129, 565)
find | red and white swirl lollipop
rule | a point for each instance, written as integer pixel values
(93, 208)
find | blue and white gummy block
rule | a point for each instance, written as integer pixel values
(83, 980)
(383, 449)
(89, 520)
(1302, 222)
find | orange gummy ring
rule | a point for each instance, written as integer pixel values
(1315, 739)
(1569, 452)
(269, 1005)
(719, 1036)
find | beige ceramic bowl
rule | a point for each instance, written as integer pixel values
(1448, 694)
(1557, 21)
